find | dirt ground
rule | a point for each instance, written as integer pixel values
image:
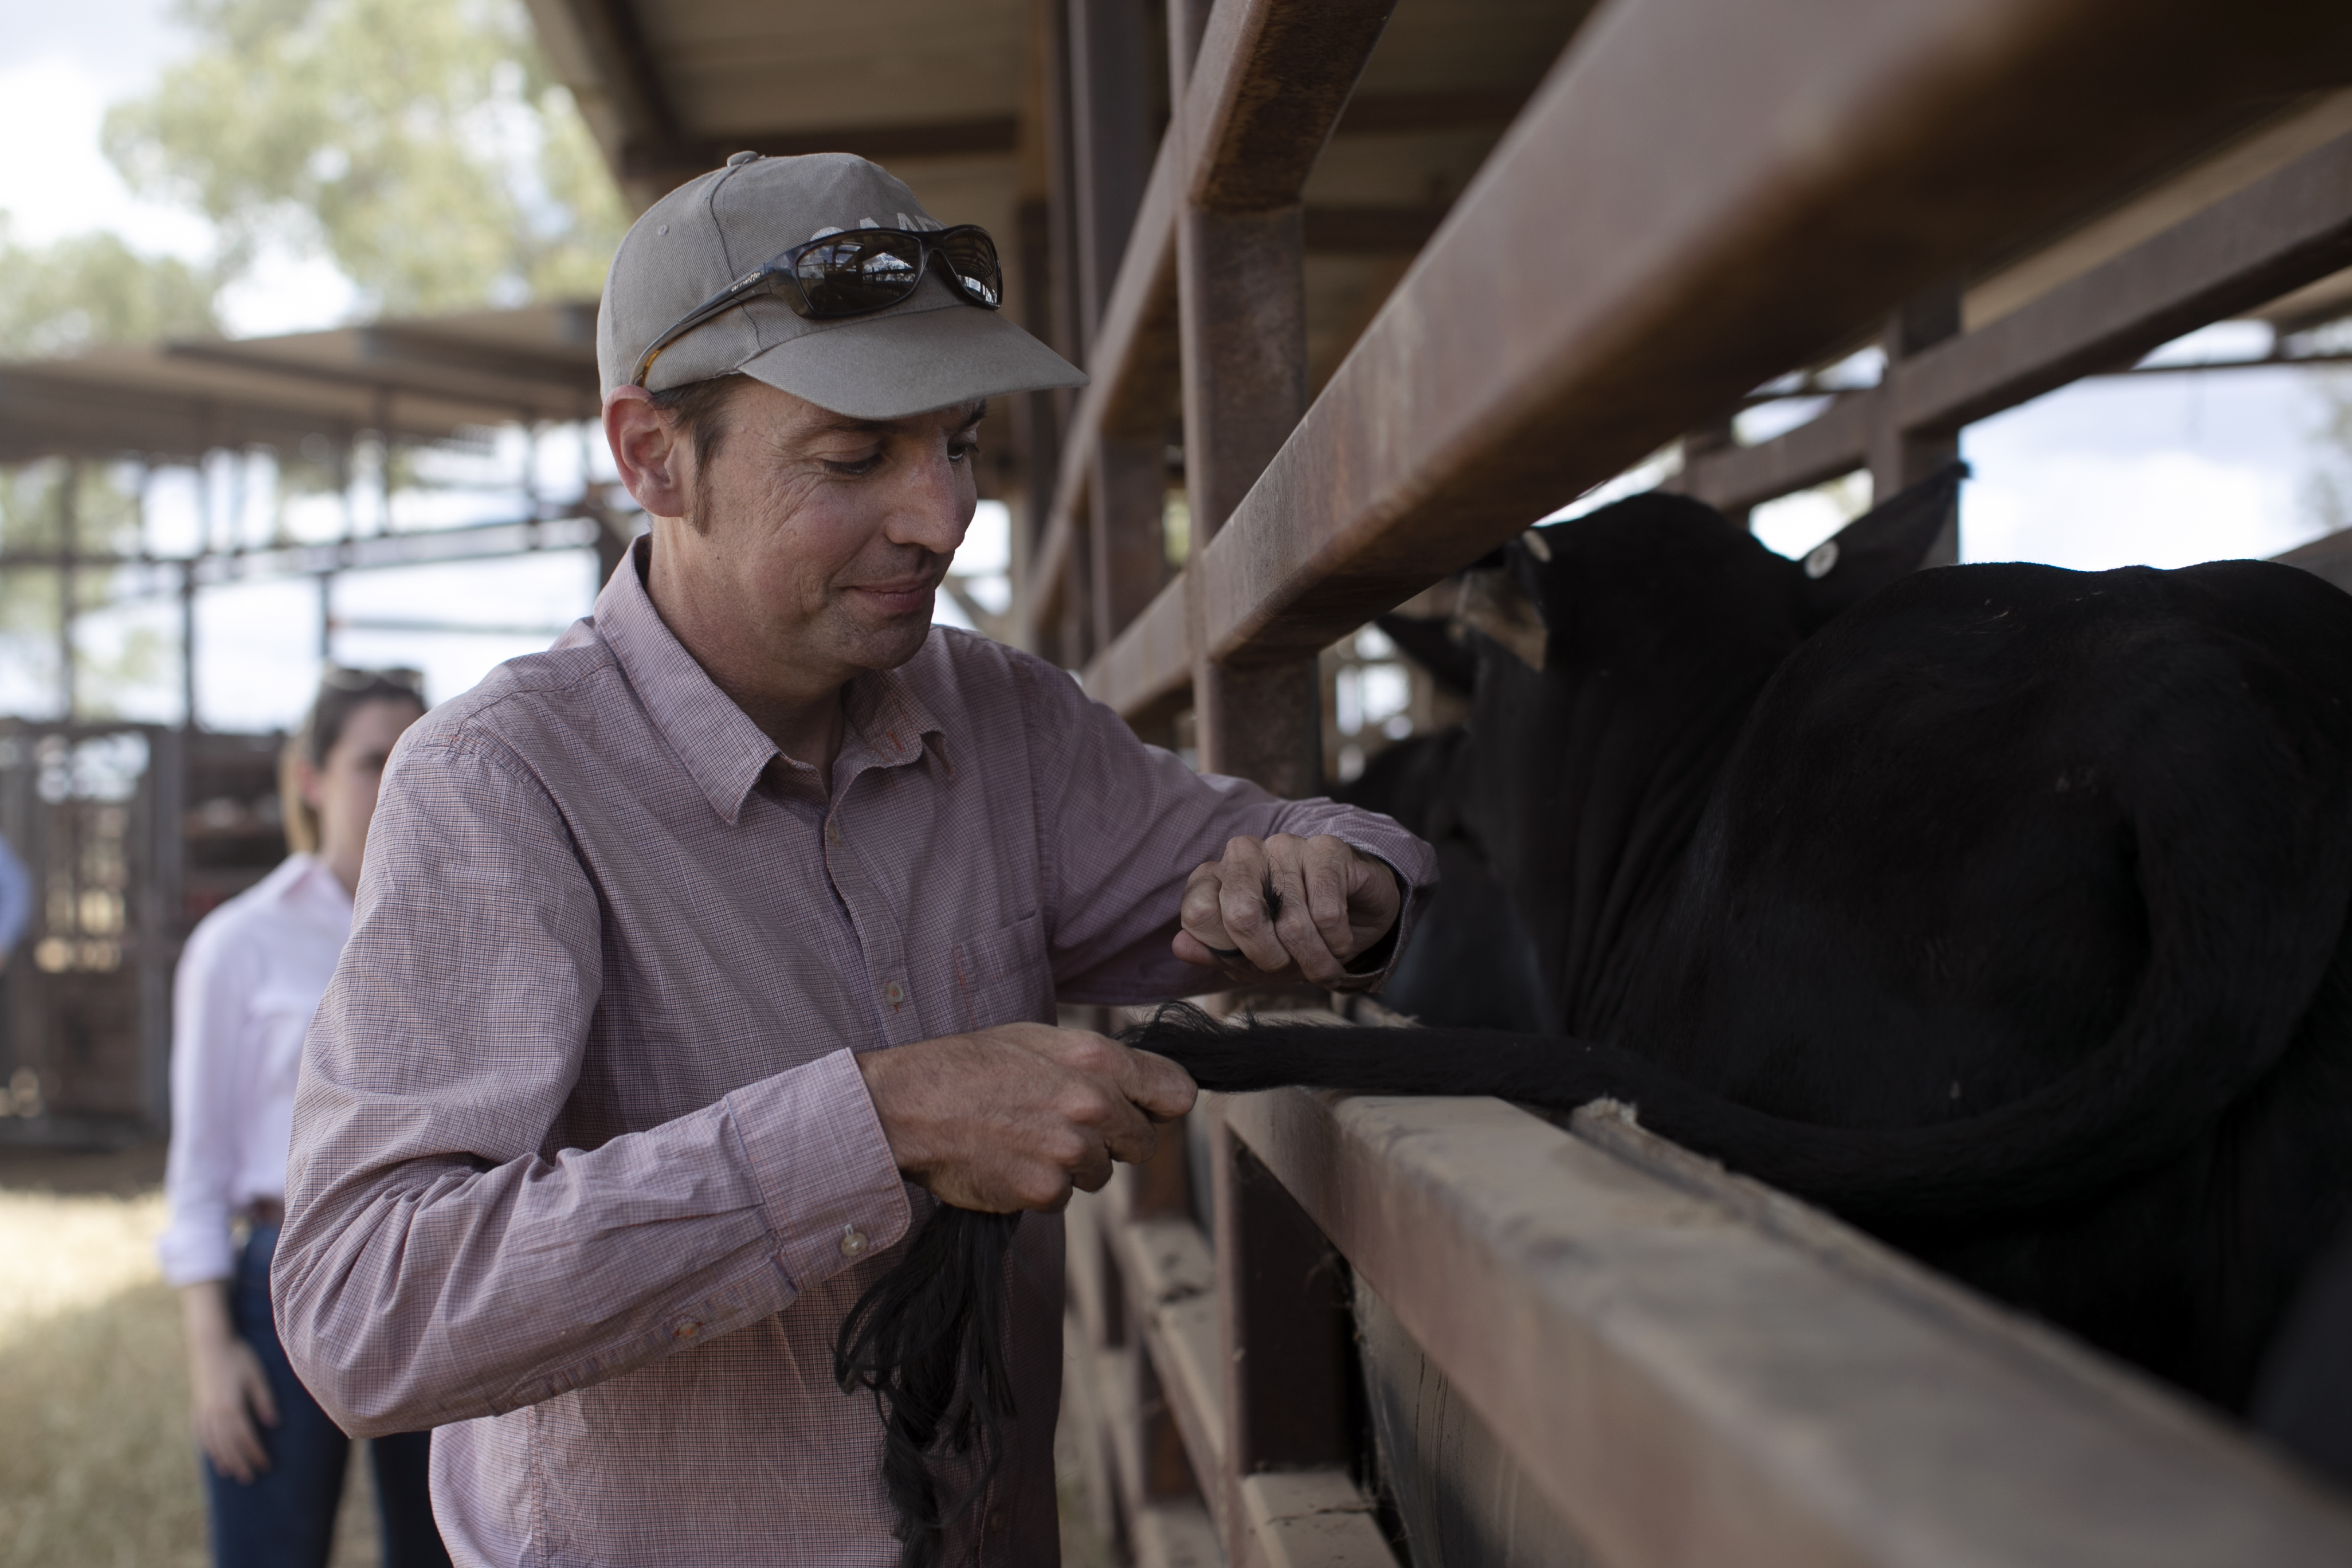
(97, 1467)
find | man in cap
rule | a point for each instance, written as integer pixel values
(692, 954)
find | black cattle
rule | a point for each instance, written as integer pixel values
(2002, 912)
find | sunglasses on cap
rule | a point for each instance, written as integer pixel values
(851, 273)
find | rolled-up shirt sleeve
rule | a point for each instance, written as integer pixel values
(441, 1260)
(1122, 824)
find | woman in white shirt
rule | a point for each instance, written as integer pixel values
(249, 982)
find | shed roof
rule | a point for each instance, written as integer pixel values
(425, 379)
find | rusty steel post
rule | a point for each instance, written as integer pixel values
(1241, 292)
(1241, 281)
(1127, 496)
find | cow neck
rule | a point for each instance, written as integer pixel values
(1602, 844)
(1586, 780)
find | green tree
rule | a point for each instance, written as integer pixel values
(92, 289)
(420, 144)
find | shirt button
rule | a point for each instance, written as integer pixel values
(686, 1329)
(832, 833)
(853, 1242)
(892, 992)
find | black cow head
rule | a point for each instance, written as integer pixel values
(1617, 655)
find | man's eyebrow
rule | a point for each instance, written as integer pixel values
(844, 423)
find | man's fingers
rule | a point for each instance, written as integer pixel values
(1242, 902)
(1092, 1173)
(1198, 916)
(1294, 924)
(1122, 1131)
(1157, 1086)
(1331, 865)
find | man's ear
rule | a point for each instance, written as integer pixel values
(653, 459)
(1886, 542)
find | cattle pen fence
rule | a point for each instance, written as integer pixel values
(1578, 1343)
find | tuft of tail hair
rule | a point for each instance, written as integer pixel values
(928, 1341)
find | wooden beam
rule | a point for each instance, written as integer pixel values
(1581, 306)
(607, 33)
(681, 156)
(2273, 236)
(1696, 1369)
(1133, 366)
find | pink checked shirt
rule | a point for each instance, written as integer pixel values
(584, 1173)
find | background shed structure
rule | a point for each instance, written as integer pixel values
(132, 832)
(1367, 287)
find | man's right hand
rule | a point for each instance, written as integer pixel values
(1013, 1117)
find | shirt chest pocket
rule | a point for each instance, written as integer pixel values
(1003, 977)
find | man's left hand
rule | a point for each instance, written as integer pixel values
(1287, 908)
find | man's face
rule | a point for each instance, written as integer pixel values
(825, 538)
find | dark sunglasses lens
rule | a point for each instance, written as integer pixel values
(973, 256)
(860, 270)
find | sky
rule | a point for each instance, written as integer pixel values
(2158, 469)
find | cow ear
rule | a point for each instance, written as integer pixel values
(1888, 541)
(1431, 643)
(1501, 600)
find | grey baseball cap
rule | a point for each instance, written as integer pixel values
(929, 350)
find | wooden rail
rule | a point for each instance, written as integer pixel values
(1698, 1370)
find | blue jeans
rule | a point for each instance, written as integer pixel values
(286, 1517)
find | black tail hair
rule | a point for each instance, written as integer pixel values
(928, 1339)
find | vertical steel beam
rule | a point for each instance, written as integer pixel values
(1128, 552)
(1287, 1325)
(69, 550)
(1112, 151)
(1036, 425)
(1241, 284)
(1899, 457)
(188, 644)
(1159, 1188)
(1240, 296)
(1110, 163)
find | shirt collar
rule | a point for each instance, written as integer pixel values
(303, 877)
(720, 747)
